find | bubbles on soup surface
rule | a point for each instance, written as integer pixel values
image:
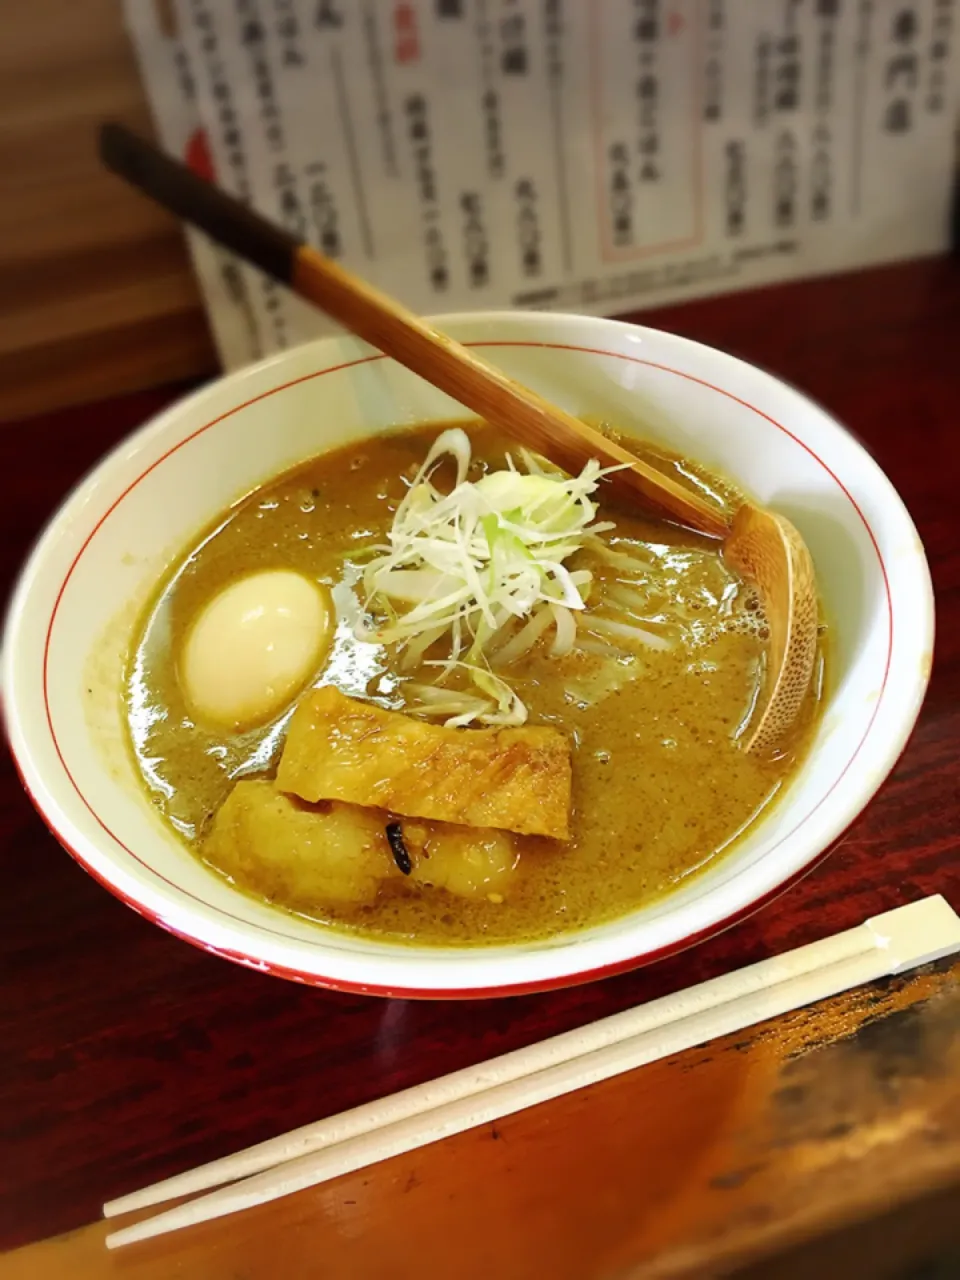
(749, 618)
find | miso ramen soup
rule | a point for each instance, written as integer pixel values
(428, 688)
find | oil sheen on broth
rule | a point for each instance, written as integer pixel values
(660, 788)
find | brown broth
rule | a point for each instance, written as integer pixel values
(661, 788)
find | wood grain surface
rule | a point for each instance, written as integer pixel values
(128, 1055)
(98, 295)
(684, 1169)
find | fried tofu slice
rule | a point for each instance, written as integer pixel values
(513, 779)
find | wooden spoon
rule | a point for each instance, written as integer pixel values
(763, 546)
(767, 548)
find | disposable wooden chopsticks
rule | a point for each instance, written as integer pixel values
(886, 944)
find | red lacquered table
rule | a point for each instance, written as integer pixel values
(828, 1140)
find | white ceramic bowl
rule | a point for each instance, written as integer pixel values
(78, 600)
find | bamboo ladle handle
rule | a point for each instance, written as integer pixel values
(490, 393)
(763, 545)
(392, 329)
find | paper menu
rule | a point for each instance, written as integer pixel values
(170, 88)
(586, 155)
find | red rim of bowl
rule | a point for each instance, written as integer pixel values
(521, 988)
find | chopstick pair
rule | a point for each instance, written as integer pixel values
(890, 943)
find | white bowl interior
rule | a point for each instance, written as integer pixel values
(79, 601)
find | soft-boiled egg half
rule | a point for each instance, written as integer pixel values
(254, 646)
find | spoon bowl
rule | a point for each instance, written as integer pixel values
(766, 548)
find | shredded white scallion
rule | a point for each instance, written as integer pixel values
(566, 631)
(468, 564)
(526, 637)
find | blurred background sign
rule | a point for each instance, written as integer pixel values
(587, 155)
